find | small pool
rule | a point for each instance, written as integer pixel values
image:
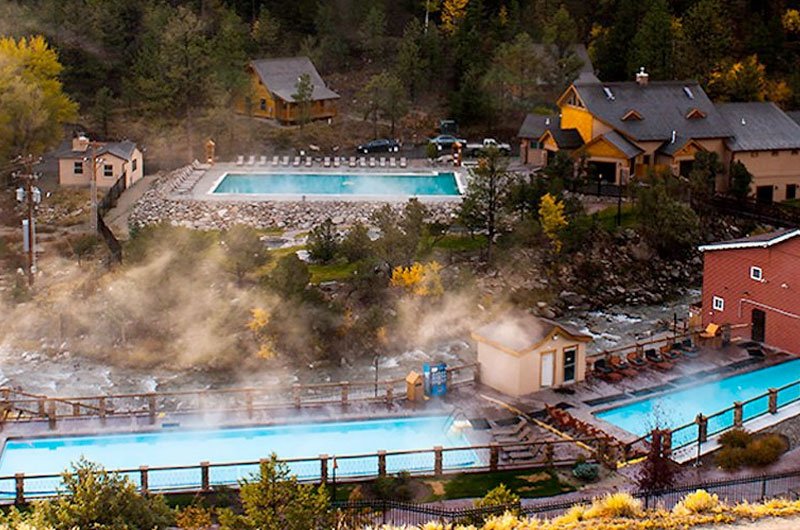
(46, 456)
(364, 184)
(678, 408)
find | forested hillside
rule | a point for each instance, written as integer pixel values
(181, 63)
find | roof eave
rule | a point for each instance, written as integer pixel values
(750, 244)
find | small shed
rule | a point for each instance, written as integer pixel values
(520, 354)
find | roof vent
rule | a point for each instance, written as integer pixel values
(674, 134)
(609, 94)
(744, 122)
(688, 92)
(642, 77)
(547, 121)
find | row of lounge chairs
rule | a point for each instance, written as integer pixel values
(327, 161)
(184, 179)
(565, 421)
(613, 368)
(516, 442)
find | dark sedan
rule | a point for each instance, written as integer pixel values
(381, 145)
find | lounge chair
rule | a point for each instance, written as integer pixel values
(657, 360)
(403, 161)
(602, 366)
(275, 161)
(337, 161)
(296, 161)
(636, 359)
(710, 332)
(352, 162)
(525, 434)
(262, 160)
(240, 160)
(326, 161)
(621, 366)
(285, 161)
(392, 162)
(372, 161)
(251, 160)
(514, 429)
(689, 349)
(670, 353)
(362, 162)
(603, 371)
(309, 161)
(382, 161)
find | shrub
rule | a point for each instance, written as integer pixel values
(764, 450)
(396, 487)
(586, 471)
(498, 496)
(356, 244)
(193, 518)
(614, 505)
(323, 242)
(731, 458)
(735, 438)
(698, 502)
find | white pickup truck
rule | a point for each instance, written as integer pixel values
(475, 148)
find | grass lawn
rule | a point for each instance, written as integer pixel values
(794, 203)
(525, 483)
(608, 217)
(461, 243)
(331, 272)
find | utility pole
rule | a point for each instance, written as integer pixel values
(31, 196)
(93, 184)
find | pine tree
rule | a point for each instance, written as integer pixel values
(709, 38)
(654, 43)
(410, 64)
(303, 92)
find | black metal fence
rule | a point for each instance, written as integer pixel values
(108, 201)
(751, 489)
(774, 214)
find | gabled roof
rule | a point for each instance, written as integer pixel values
(663, 106)
(280, 77)
(619, 141)
(123, 150)
(567, 139)
(794, 114)
(758, 241)
(534, 125)
(760, 127)
(520, 333)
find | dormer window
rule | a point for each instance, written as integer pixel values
(695, 114)
(574, 101)
(632, 115)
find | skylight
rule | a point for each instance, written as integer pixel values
(608, 93)
(688, 92)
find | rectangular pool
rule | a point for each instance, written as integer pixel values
(681, 407)
(364, 184)
(45, 456)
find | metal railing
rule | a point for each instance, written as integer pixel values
(17, 405)
(205, 476)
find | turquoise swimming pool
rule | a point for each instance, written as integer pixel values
(47, 456)
(364, 184)
(675, 409)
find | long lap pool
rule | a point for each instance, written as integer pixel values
(678, 408)
(47, 456)
(353, 184)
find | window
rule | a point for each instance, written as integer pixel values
(263, 104)
(795, 151)
(754, 154)
(791, 192)
(108, 170)
(718, 303)
(570, 357)
(133, 164)
(77, 168)
(776, 153)
(756, 273)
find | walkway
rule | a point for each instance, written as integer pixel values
(117, 217)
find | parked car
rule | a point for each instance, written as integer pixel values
(446, 141)
(380, 145)
(476, 148)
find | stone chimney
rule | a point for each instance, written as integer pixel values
(80, 142)
(642, 77)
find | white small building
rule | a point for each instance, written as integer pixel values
(520, 354)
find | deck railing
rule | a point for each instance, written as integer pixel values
(768, 403)
(205, 476)
(23, 406)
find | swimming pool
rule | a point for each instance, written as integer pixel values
(365, 184)
(678, 408)
(47, 456)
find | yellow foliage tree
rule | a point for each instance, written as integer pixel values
(744, 80)
(259, 318)
(552, 219)
(453, 12)
(791, 20)
(419, 279)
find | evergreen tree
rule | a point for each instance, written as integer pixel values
(266, 34)
(709, 38)
(561, 34)
(654, 43)
(372, 33)
(303, 92)
(411, 64)
(741, 179)
(611, 44)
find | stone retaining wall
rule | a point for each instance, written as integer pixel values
(157, 206)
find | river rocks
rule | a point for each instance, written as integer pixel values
(571, 298)
(158, 205)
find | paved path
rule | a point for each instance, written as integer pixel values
(117, 217)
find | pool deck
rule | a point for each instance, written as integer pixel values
(204, 187)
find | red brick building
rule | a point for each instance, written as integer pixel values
(753, 284)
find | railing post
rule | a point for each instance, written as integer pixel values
(248, 400)
(323, 469)
(51, 415)
(737, 413)
(151, 408)
(42, 407)
(296, 395)
(773, 400)
(345, 392)
(205, 483)
(494, 456)
(143, 478)
(76, 409)
(389, 393)
(763, 488)
(702, 428)
(548, 454)
(437, 460)
(19, 488)
(476, 373)
(381, 463)
(101, 404)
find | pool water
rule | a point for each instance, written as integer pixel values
(175, 448)
(431, 184)
(678, 408)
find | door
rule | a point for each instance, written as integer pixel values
(791, 192)
(548, 364)
(570, 356)
(759, 325)
(764, 194)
